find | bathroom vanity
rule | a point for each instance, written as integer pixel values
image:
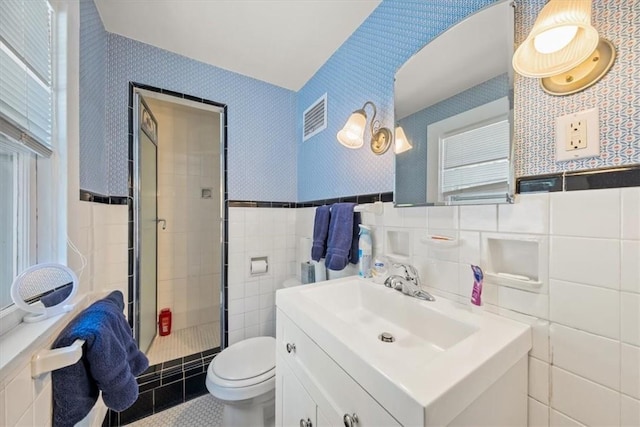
(352, 352)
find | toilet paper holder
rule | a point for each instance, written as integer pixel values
(259, 265)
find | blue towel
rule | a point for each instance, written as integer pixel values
(110, 362)
(354, 255)
(320, 231)
(57, 296)
(342, 243)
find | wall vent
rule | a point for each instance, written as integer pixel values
(314, 118)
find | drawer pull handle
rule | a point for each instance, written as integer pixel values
(291, 348)
(350, 420)
(305, 423)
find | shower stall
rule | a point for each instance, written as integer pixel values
(178, 224)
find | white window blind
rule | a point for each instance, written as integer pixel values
(476, 157)
(7, 225)
(25, 66)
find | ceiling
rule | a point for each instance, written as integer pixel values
(283, 42)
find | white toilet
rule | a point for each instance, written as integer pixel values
(243, 377)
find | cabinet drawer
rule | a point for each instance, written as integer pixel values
(333, 390)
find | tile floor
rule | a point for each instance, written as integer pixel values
(184, 342)
(204, 411)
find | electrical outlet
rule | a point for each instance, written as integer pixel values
(577, 135)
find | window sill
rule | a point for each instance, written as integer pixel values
(18, 345)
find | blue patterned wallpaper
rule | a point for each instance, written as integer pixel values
(617, 97)
(363, 68)
(261, 129)
(261, 117)
(265, 133)
(93, 65)
(411, 175)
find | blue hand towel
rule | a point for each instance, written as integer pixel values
(343, 236)
(320, 232)
(111, 360)
(354, 256)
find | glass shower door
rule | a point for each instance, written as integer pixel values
(147, 226)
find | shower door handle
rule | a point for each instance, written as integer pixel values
(163, 221)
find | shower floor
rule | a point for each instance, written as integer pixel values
(184, 342)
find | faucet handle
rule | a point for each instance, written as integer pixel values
(404, 267)
(409, 270)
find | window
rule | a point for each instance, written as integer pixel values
(26, 116)
(470, 160)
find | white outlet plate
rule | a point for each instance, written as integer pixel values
(578, 135)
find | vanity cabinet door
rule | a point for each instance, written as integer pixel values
(334, 392)
(296, 407)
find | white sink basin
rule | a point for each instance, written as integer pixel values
(443, 357)
(419, 334)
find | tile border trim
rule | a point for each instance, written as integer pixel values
(592, 179)
(360, 198)
(90, 196)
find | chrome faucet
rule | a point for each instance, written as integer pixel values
(409, 284)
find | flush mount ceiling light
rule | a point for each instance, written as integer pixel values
(563, 49)
(402, 143)
(352, 133)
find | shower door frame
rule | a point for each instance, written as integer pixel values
(140, 106)
(134, 159)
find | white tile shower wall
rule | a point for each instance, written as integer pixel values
(189, 267)
(258, 232)
(586, 329)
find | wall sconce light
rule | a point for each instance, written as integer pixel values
(402, 143)
(352, 134)
(563, 49)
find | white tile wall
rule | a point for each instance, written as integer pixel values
(583, 400)
(630, 318)
(108, 254)
(586, 321)
(539, 380)
(630, 269)
(586, 260)
(630, 207)
(538, 414)
(575, 214)
(258, 232)
(629, 412)
(529, 214)
(558, 419)
(630, 363)
(590, 356)
(589, 308)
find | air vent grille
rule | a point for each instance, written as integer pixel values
(314, 118)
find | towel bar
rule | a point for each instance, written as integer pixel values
(376, 208)
(49, 360)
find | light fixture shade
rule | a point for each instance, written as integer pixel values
(352, 134)
(565, 23)
(402, 143)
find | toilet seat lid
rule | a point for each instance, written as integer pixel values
(246, 359)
